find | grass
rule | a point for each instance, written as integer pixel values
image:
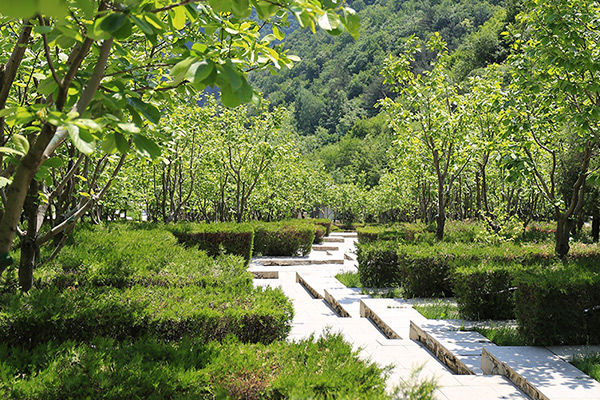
(441, 309)
(503, 335)
(588, 363)
(349, 279)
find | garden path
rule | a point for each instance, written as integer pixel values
(313, 314)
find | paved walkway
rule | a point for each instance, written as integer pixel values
(313, 315)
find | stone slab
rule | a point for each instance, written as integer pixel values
(346, 301)
(392, 316)
(539, 373)
(344, 234)
(265, 274)
(330, 239)
(322, 247)
(567, 352)
(293, 261)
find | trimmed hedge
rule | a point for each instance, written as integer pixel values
(559, 305)
(378, 264)
(403, 233)
(485, 290)
(288, 238)
(252, 315)
(324, 222)
(216, 239)
(424, 276)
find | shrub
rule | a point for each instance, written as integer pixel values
(424, 276)
(320, 232)
(558, 305)
(217, 239)
(378, 264)
(485, 291)
(125, 255)
(288, 238)
(323, 368)
(252, 315)
(324, 222)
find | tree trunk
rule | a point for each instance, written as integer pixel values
(564, 226)
(596, 227)
(29, 248)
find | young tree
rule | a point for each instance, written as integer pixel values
(556, 100)
(428, 118)
(90, 70)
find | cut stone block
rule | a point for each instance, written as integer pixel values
(391, 316)
(265, 274)
(288, 261)
(316, 284)
(322, 247)
(539, 373)
(345, 301)
(459, 350)
(330, 239)
(344, 234)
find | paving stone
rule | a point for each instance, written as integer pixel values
(539, 373)
(567, 352)
(346, 301)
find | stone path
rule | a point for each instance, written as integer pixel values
(389, 331)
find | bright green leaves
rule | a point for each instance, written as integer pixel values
(117, 24)
(351, 22)
(201, 73)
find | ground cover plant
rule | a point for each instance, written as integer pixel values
(125, 311)
(588, 363)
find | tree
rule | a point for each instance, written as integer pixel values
(89, 71)
(428, 118)
(556, 100)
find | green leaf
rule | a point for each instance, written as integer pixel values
(78, 139)
(143, 25)
(87, 6)
(232, 75)
(220, 6)
(124, 31)
(351, 22)
(148, 110)
(112, 22)
(18, 9)
(178, 17)
(42, 29)
(129, 127)
(199, 71)
(54, 162)
(241, 8)
(180, 69)
(122, 143)
(146, 147)
(109, 145)
(21, 143)
(8, 150)
(47, 86)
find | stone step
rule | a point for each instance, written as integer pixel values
(344, 234)
(459, 350)
(316, 284)
(272, 283)
(291, 261)
(539, 373)
(323, 247)
(330, 239)
(265, 274)
(350, 256)
(345, 301)
(391, 316)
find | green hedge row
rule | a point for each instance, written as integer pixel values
(285, 238)
(288, 238)
(167, 313)
(555, 301)
(324, 368)
(216, 239)
(419, 233)
(559, 305)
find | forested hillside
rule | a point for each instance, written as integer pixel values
(333, 91)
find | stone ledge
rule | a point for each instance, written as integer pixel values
(539, 373)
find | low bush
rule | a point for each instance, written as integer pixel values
(323, 368)
(320, 232)
(288, 238)
(485, 290)
(378, 264)
(558, 305)
(125, 255)
(252, 315)
(324, 222)
(424, 276)
(216, 239)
